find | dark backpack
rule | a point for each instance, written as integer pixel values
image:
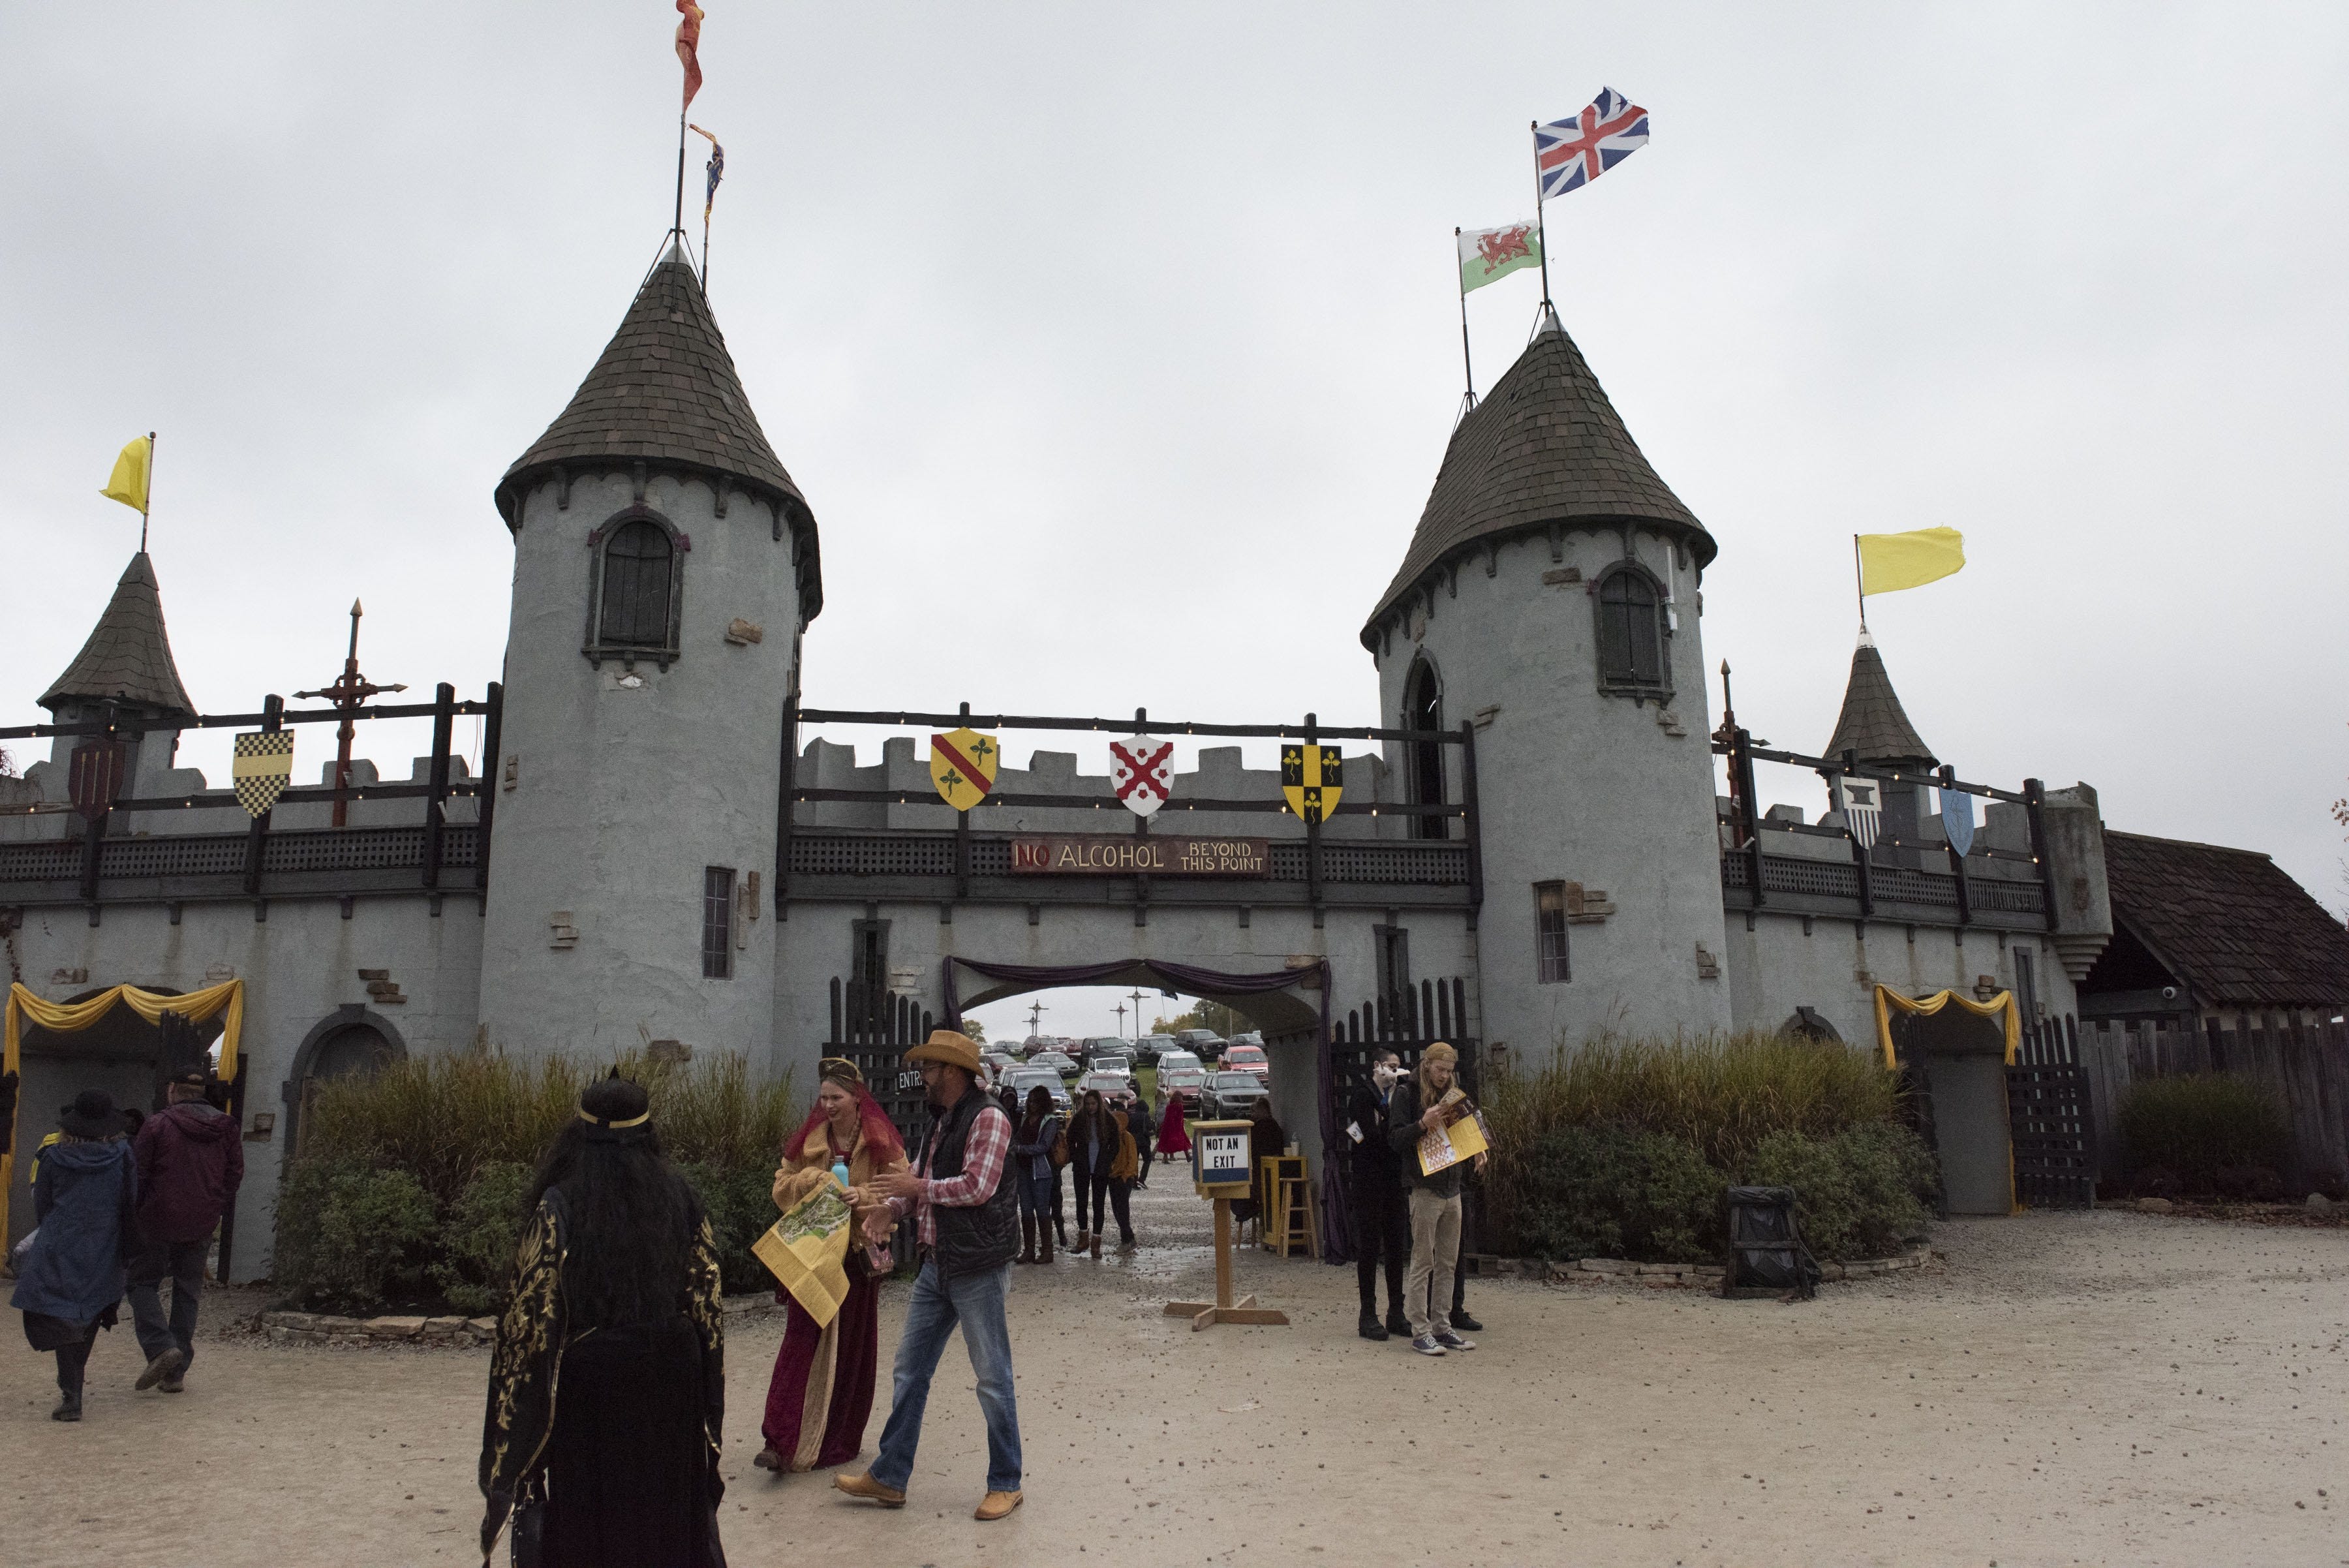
(1767, 1255)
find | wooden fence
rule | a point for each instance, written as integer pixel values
(2306, 1065)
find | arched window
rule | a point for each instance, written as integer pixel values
(636, 581)
(1423, 709)
(1631, 634)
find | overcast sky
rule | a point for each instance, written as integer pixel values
(1115, 348)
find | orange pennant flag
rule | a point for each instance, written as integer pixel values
(689, 43)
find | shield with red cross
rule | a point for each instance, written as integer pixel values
(1142, 771)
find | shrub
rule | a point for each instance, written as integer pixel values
(1860, 1194)
(2194, 1126)
(741, 1206)
(350, 1233)
(1616, 1192)
(478, 1239)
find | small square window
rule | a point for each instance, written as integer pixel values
(718, 923)
(1549, 932)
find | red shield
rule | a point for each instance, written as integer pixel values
(1142, 771)
(94, 775)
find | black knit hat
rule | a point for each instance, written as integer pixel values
(92, 1114)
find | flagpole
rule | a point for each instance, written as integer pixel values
(1466, 364)
(1541, 230)
(148, 499)
(1860, 582)
(677, 223)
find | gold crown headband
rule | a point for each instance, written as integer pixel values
(595, 1121)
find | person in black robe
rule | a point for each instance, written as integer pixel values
(608, 1386)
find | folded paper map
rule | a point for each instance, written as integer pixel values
(807, 1252)
(1461, 1137)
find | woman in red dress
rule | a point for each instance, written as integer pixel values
(1174, 1137)
(822, 1392)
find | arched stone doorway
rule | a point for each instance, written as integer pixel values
(351, 1041)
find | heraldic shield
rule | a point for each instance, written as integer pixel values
(1140, 773)
(263, 765)
(1311, 777)
(963, 764)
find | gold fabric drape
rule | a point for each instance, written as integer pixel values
(225, 1000)
(2000, 1006)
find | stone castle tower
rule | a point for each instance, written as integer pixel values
(665, 566)
(1550, 598)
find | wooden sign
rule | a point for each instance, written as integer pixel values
(1219, 1168)
(1119, 855)
(1219, 1159)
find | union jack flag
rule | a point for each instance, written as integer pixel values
(1570, 153)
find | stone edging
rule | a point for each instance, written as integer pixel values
(321, 1328)
(1675, 1276)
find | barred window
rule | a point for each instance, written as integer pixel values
(637, 559)
(1631, 633)
(718, 923)
(1549, 933)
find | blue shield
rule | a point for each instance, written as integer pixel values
(1957, 819)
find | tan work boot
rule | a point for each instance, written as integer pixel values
(996, 1504)
(863, 1485)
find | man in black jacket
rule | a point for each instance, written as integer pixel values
(1374, 1192)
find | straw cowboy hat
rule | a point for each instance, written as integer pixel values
(945, 1045)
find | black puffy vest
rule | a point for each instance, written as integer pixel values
(984, 1235)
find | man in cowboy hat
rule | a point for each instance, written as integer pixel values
(191, 1163)
(964, 1212)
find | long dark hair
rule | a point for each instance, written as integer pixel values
(631, 1215)
(1040, 1110)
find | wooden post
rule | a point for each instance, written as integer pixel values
(786, 783)
(2035, 800)
(492, 781)
(435, 803)
(1958, 862)
(256, 838)
(1223, 1309)
(1313, 830)
(1474, 823)
(1859, 852)
(236, 1130)
(1741, 766)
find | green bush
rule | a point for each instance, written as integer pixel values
(350, 1234)
(479, 1236)
(1615, 1192)
(2198, 1124)
(741, 1206)
(463, 1132)
(1857, 1195)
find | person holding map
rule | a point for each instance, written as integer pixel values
(1417, 1110)
(820, 1394)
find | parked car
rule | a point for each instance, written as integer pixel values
(1060, 1062)
(1148, 1049)
(1108, 1057)
(1182, 1074)
(998, 1061)
(1253, 1037)
(1206, 1043)
(1249, 1058)
(1229, 1096)
(1093, 1045)
(1108, 1082)
(1020, 1080)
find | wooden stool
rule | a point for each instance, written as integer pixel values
(1295, 1228)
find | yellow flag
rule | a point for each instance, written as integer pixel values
(1890, 562)
(129, 484)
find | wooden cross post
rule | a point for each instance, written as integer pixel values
(1219, 1168)
(349, 693)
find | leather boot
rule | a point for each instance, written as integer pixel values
(1028, 1238)
(1096, 1246)
(1084, 1239)
(1047, 1255)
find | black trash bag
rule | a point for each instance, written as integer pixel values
(1766, 1251)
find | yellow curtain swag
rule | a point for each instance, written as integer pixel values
(2000, 1006)
(224, 1001)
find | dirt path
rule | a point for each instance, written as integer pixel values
(2106, 1388)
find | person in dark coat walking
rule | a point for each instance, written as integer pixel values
(70, 1277)
(1139, 1121)
(1375, 1190)
(191, 1163)
(1097, 1138)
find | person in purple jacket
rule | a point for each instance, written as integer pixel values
(191, 1163)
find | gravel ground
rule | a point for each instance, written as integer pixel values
(2100, 1388)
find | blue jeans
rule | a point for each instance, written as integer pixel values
(181, 1262)
(977, 1302)
(1036, 1197)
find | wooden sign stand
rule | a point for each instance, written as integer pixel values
(1223, 1309)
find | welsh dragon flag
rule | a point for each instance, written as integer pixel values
(1487, 255)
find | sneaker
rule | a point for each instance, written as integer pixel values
(1451, 1341)
(1426, 1346)
(168, 1365)
(1369, 1327)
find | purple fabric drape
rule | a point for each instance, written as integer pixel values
(1337, 1233)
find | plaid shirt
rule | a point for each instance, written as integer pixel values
(983, 1153)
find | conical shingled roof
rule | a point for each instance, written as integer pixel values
(665, 393)
(127, 658)
(1872, 723)
(1543, 447)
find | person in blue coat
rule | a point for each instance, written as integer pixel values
(69, 1275)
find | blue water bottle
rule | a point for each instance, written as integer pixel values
(840, 1171)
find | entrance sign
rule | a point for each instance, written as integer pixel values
(963, 764)
(1142, 771)
(1116, 855)
(262, 766)
(1311, 777)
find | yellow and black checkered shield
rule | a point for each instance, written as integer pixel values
(264, 765)
(1311, 777)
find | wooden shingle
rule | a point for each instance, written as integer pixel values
(2231, 923)
(127, 658)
